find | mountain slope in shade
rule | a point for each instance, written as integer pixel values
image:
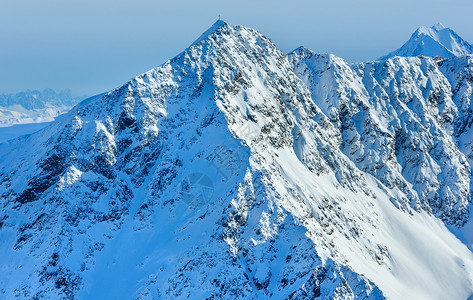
(236, 171)
(433, 41)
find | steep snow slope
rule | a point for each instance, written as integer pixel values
(15, 131)
(225, 174)
(433, 41)
(397, 120)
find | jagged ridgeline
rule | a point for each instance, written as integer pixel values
(235, 171)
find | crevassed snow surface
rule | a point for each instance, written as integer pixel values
(236, 171)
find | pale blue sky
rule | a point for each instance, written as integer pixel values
(94, 46)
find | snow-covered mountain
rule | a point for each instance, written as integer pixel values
(433, 41)
(34, 106)
(236, 171)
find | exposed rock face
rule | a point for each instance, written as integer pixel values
(235, 171)
(399, 121)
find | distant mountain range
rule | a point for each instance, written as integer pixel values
(433, 41)
(34, 106)
(237, 171)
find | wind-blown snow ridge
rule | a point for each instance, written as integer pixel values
(433, 41)
(236, 171)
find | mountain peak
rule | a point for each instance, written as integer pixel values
(301, 50)
(237, 171)
(439, 26)
(432, 30)
(436, 40)
(214, 28)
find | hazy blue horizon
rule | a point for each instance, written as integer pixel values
(92, 47)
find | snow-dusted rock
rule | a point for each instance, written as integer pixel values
(397, 120)
(234, 171)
